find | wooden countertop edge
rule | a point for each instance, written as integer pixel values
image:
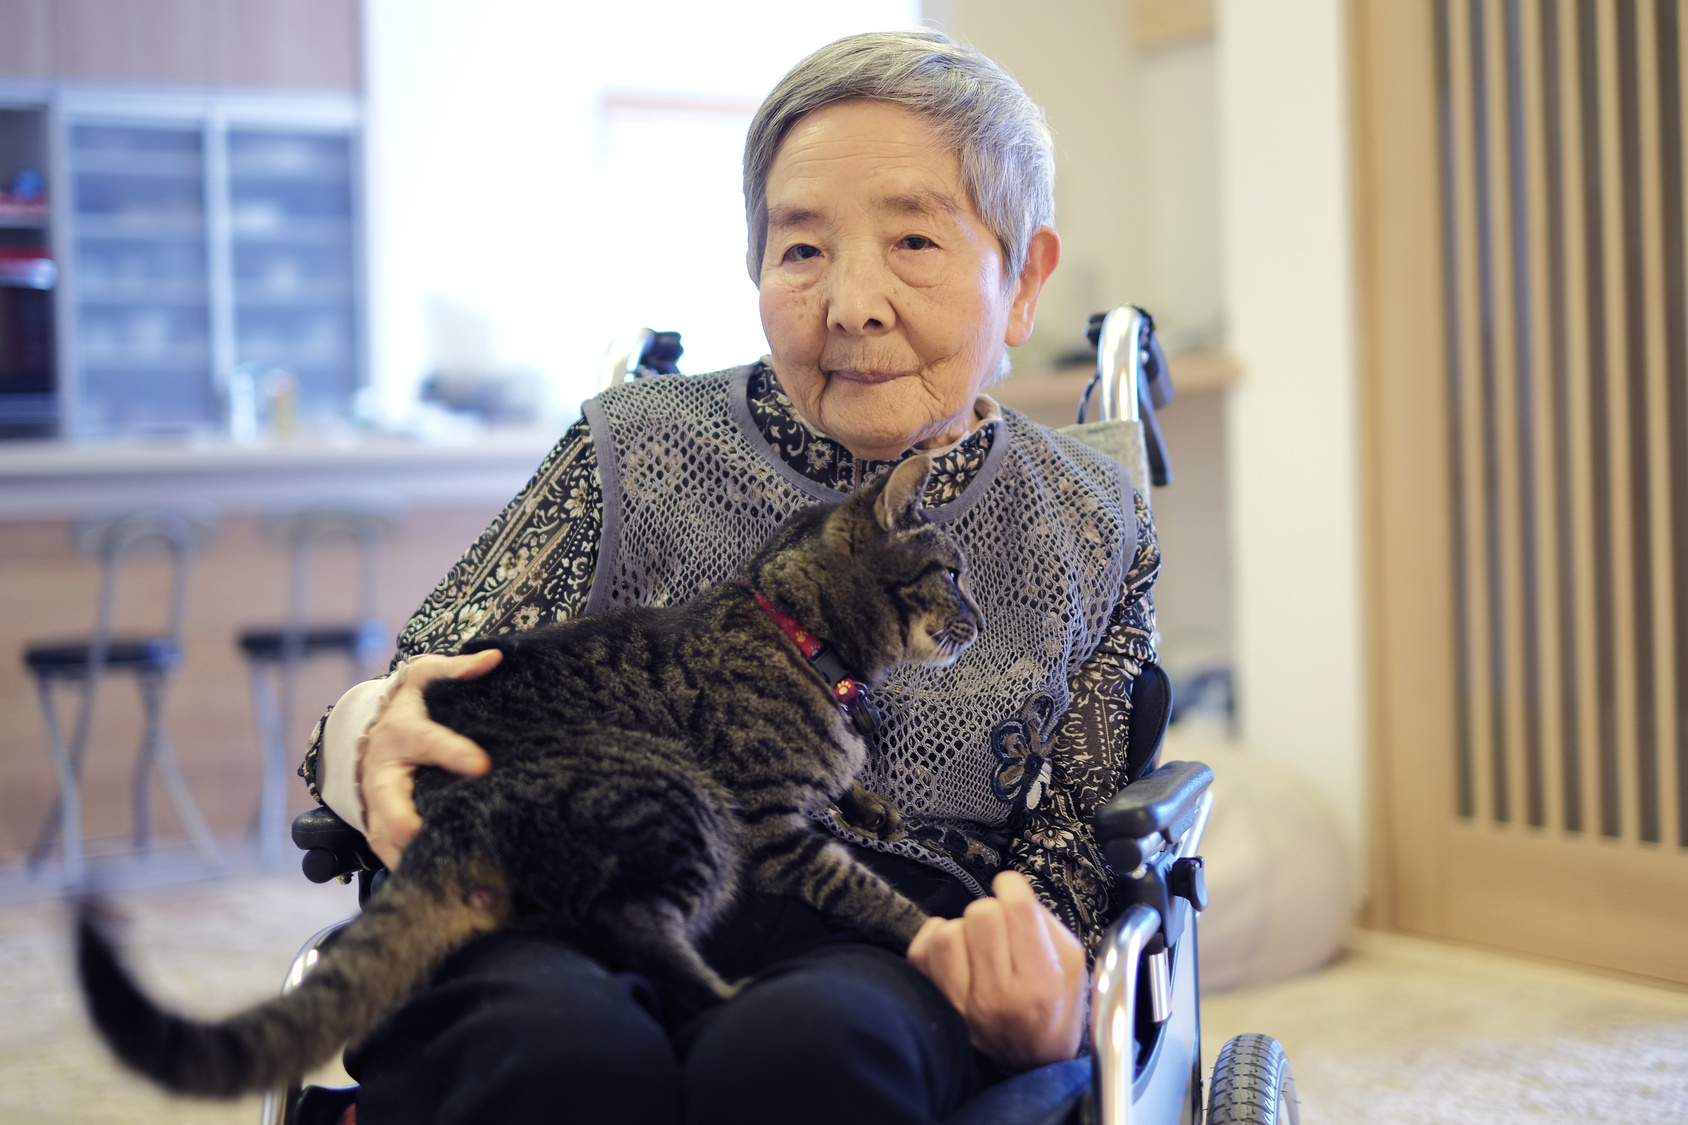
(56, 481)
(21, 462)
(1053, 398)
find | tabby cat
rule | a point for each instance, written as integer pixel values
(646, 762)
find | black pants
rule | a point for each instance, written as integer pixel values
(518, 1029)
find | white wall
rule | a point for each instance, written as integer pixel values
(498, 224)
(1078, 60)
(1292, 420)
(1178, 103)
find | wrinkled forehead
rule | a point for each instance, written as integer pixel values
(873, 141)
(891, 157)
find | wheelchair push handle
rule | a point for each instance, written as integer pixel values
(1131, 382)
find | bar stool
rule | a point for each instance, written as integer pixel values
(182, 530)
(274, 653)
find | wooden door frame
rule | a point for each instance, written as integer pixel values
(1596, 902)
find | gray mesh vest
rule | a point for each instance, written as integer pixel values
(690, 488)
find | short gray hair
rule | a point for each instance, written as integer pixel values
(974, 106)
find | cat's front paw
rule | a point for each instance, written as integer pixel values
(895, 927)
(871, 814)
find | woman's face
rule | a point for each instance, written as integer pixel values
(882, 290)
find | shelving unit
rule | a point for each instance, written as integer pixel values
(294, 264)
(143, 305)
(196, 236)
(28, 376)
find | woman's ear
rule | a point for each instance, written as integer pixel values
(1043, 254)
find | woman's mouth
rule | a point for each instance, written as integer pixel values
(852, 375)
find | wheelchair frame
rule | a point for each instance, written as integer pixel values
(1145, 1012)
(1145, 1018)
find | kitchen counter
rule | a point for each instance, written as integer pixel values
(55, 480)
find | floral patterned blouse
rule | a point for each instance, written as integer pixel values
(534, 566)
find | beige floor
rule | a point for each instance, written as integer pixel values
(1402, 1031)
(1398, 1032)
(209, 947)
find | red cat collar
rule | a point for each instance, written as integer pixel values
(845, 689)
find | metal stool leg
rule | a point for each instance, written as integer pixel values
(78, 746)
(268, 827)
(164, 758)
(65, 816)
(142, 782)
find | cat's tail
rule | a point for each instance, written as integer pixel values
(367, 972)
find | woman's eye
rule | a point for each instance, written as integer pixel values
(801, 253)
(918, 242)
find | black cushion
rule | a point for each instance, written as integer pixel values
(1151, 711)
(352, 640)
(130, 654)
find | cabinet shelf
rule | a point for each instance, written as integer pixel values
(23, 214)
(122, 365)
(278, 303)
(247, 176)
(314, 232)
(189, 243)
(134, 166)
(141, 293)
(139, 227)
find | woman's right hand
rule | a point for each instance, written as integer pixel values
(404, 738)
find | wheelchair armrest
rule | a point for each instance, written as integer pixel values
(1163, 802)
(332, 847)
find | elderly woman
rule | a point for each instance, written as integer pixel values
(898, 190)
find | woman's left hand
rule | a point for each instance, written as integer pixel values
(1015, 973)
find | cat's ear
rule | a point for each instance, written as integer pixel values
(898, 506)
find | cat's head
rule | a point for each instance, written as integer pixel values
(874, 577)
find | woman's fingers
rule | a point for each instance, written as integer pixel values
(424, 670)
(1031, 944)
(920, 949)
(390, 817)
(1017, 986)
(1015, 973)
(404, 738)
(397, 746)
(939, 951)
(406, 734)
(989, 949)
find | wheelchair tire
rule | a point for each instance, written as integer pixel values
(1252, 1084)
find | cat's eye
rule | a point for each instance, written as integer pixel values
(954, 575)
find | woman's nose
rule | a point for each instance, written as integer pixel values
(859, 297)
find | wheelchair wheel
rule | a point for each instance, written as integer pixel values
(1252, 1084)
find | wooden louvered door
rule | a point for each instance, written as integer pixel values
(1520, 239)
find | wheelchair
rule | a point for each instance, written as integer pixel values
(1144, 1066)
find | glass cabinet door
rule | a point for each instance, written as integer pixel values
(291, 232)
(142, 347)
